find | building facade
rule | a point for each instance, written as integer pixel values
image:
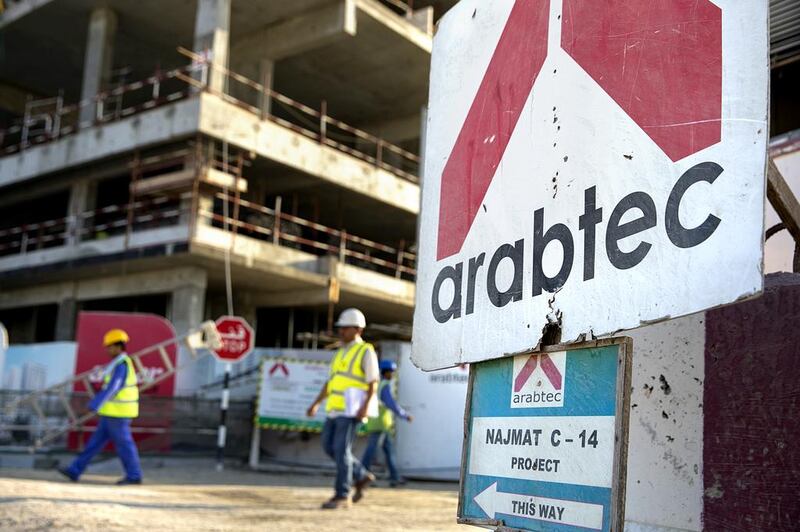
(153, 154)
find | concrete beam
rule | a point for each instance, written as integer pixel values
(400, 25)
(298, 298)
(396, 130)
(212, 34)
(313, 297)
(300, 34)
(266, 138)
(133, 284)
(37, 295)
(98, 60)
(160, 125)
(16, 10)
(423, 19)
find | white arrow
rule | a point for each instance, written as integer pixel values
(564, 512)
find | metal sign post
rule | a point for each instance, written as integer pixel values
(546, 437)
(238, 341)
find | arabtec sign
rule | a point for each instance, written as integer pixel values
(539, 380)
(597, 165)
(558, 458)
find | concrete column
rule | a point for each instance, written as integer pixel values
(423, 134)
(266, 72)
(81, 199)
(187, 310)
(245, 307)
(211, 32)
(98, 60)
(66, 319)
(205, 204)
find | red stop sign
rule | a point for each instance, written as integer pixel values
(238, 338)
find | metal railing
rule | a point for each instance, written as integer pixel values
(312, 123)
(174, 423)
(50, 119)
(274, 225)
(97, 224)
(247, 218)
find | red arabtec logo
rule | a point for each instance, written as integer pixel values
(661, 62)
(279, 366)
(548, 367)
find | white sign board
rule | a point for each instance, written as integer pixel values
(596, 165)
(557, 463)
(288, 387)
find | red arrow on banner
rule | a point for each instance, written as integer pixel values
(279, 366)
(494, 114)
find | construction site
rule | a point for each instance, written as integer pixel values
(166, 164)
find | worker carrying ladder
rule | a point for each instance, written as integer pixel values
(199, 342)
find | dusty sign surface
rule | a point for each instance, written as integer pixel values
(287, 388)
(597, 165)
(546, 440)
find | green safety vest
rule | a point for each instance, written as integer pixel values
(385, 420)
(126, 402)
(346, 372)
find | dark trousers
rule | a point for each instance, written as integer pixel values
(117, 430)
(384, 440)
(338, 435)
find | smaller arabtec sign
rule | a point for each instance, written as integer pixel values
(539, 380)
(546, 439)
(594, 165)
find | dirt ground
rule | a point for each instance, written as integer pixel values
(199, 498)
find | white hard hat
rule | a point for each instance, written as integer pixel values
(351, 317)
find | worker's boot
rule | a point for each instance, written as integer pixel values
(337, 502)
(67, 473)
(361, 485)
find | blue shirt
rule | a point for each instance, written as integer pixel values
(389, 402)
(112, 388)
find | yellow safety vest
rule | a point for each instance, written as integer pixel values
(346, 372)
(385, 420)
(126, 402)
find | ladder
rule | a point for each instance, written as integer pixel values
(199, 342)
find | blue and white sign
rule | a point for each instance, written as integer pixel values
(546, 441)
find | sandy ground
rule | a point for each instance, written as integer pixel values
(198, 498)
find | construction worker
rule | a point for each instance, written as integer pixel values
(350, 399)
(116, 404)
(380, 427)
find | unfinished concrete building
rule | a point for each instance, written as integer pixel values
(145, 145)
(149, 149)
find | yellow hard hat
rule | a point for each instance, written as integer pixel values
(115, 336)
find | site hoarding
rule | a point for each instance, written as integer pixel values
(546, 439)
(430, 446)
(596, 166)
